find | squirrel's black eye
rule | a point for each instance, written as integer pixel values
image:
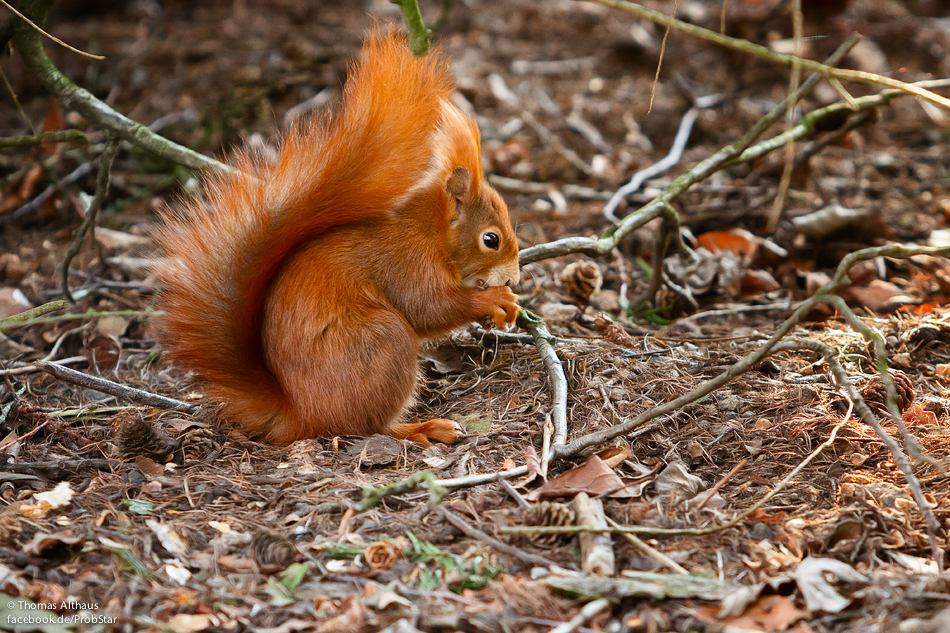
(491, 240)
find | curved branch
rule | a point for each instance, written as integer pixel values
(28, 43)
(730, 155)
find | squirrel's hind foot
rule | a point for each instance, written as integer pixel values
(438, 429)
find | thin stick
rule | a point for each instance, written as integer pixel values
(768, 54)
(60, 136)
(659, 62)
(55, 39)
(29, 317)
(543, 342)
(113, 388)
(652, 552)
(786, 180)
(668, 161)
(722, 482)
(102, 189)
(472, 532)
(141, 315)
(32, 431)
(589, 611)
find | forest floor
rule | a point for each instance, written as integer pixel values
(232, 534)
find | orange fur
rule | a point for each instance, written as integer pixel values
(298, 291)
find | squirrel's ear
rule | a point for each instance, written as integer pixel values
(459, 184)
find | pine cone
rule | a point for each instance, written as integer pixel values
(582, 279)
(138, 436)
(549, 514)
(273, 550)
(875, 395)
(199, 442)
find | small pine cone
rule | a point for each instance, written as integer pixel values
(582, 279)
(613, 332)
(138, 436)
(199, 442)
(549, 514)
(273, 550)
(875, 395)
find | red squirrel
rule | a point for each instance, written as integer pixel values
(298, 290)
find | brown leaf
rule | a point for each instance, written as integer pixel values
(614, 455)
(149, 467)
(758, 281)
(593, 477)
(768, 613)
(878, 296)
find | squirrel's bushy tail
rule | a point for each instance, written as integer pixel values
(224, 248)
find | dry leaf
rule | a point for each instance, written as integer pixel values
(188, 623)
(615, 455)
(758, 281)
(593, 477)
(740, 242)
(168, 538)
(149, 467)
(42, 542)
(881, 297)
(58, 497)
(675, 481)
(768, 613)
(818, 593)
(177, 572)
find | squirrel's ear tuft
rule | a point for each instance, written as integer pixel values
(459, 184)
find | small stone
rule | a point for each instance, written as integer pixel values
(558, 311)
(605, 300)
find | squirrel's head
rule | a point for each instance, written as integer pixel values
(484, 246)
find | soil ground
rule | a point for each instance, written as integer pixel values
(234, 534)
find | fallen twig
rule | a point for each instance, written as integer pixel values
(733, 154)
(871, 420)
(651, 552)
(374, 496)
(590, 609)
(71, 96)
(29, 316)
(89, 220)
(745, 46)
(472, 532)
(113, 388)
(59, 136)
(668, 161)
(543, 342)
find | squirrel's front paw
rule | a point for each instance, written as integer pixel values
(500, 306)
